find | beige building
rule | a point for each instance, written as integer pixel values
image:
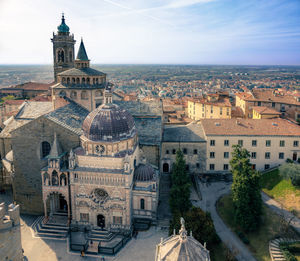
(264, 113)
(213, 106)
(270, 142)
(191, 140)
(277, 100)
(10, 233)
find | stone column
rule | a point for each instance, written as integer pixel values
(69, 211)
(45, 208)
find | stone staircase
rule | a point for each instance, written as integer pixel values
(50, 230)
(274, 248)
(101, 235)
(164, 213)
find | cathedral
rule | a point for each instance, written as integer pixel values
(80, 154)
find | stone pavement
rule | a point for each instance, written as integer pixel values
(278, 209)
(210, 193)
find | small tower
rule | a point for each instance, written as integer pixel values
(63, 49)
(82, 60)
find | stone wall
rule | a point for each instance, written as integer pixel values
(26, 144)
(10, 234)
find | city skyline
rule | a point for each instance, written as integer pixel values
(156, 32)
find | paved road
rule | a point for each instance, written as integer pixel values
(277, 208)
(210, 194)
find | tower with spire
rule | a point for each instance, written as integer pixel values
(63, 48)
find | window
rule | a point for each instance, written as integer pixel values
(267, 166)
(167, 151)
(45, 149)
(259, 103)
(227, 112)
(268, 143)
(174, 151)
(253, 166)
(226, 142)
(221, 110)
(211, 166)
(254, 143)
(273, 104)
(212, 155)
(73, 95)
(226, 155)
(197, 165)
(253, 155)
(211, 109)
(281, 143)
(267, 155)
(75, 176)
(184, 151)
(142, 203)
(195, 151)
(240, 142)
(84, 95)
(281, 155)
(117, 220)
(296, 143)
(84, 217)
(225, 167)
(212, 142)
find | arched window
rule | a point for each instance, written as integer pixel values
(45, 149)
(73, 95)
(83, 81)
(97, 81)
(63, 180)
(58, 56)
(166, 167)
(98, 94)
(93, 80)
(54, 178)
(84, 95)
(62, 94)
(77, 81)
(68, 80)
(62, 56)
(63, 80)
(73, 80)
(142, 203)
(88, 81)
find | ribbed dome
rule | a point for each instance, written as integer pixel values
(109, 123)
(144, 173)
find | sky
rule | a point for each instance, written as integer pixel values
(233, 32)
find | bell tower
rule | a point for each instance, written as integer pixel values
(63, 48)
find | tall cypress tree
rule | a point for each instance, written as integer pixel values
(180, 190)
(245, 190)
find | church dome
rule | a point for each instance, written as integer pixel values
(109, 122)
(144, 173)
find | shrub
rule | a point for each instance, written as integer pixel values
(291, 171)
(289, 161)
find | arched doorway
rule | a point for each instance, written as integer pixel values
(101, 221)
(166, 167)
(56, 208)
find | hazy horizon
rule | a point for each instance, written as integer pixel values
(191, 32)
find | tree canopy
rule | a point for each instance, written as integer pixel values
(245, 190)
(180, 190)
(291, 171)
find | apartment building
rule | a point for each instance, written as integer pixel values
(270, 142)
(277, 100)
(213, 106)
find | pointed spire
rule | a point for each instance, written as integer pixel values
(81, 55)
(55, 149)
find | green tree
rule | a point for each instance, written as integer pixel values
(245, 190)
(180, 190)
(291, 171)
(200, 223)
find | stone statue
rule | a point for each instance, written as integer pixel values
(63, 182)
(72, 160)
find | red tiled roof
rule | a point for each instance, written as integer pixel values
(250, 127)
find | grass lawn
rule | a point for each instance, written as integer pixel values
(281, 190)
(259, 240)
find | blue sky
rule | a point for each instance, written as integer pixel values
(155, 31)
